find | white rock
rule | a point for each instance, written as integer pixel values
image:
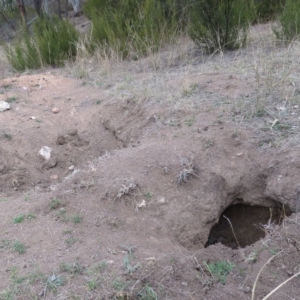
(4, 106)
(71, 168)
(55, 110)
(142, 204)
(45, 152)
(161, 200)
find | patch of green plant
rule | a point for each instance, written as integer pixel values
(30, 216)
(19, 247)
(131, 26)
(70, 241)
(220, 269)
(76, 219)
(52, 42)
(19, 218)
(55, 203)
(23, 54)
(11, 99)
(267, 10)
(54, 282)
(220, 24)
(5, 135)
(92, 284)
(149, 194)
(119, 284)
(289, 22)
(5, 244)
(74, 268)
(148, 293)
(7, 294)
(3, 199)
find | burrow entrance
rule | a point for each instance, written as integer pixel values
(247, 223)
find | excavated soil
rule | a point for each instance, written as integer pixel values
(143, 193)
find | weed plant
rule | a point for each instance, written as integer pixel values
(289, 28)
(131, 26)
(52, 42)
(220, 24)
(267, 10)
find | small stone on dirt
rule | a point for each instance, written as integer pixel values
(142, 204)
(54, 177)
(71, 168)
(45, 152)
(161, 200)
(72, 132)
(55, 110)
(4, 106)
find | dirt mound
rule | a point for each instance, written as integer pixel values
(139, 200)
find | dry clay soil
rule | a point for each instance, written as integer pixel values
(124, 207)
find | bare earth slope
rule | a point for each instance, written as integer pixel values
(174, 177)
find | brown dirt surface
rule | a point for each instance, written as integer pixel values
(172, 177)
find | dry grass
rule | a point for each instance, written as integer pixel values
(255, 86)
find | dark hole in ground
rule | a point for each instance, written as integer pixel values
(247, 222)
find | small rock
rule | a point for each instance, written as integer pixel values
(71, 168)
(161, 200)
(32, 118)
(45, 152)
(142, 204)
(55, 110)
(184, 283)
(72, 132)
(239, 154)
(4, 106)
(54, 177)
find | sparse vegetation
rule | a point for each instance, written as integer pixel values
(53, 42)
(126, 190)
(267, 10)
(188, 171)
(19, 247)
(132, 27)
(76, 219)
(221, 24)
(19, 218)
(289, 22)
(73, 268)
(220, 269)
(55, 203)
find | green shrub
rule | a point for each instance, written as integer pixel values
(220, 24)
(132, 26)
(56, 40)
(289, 22)
(24, 55)
(52, 42)
(268, 9)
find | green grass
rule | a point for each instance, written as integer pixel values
(220, 269)
(76, 219)
(19, 218)
(19, 247)
(7, 294)
(148, 293)
(55, 203)
(73, 268)
(71, 241)
(11, 99)
(54, 282)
